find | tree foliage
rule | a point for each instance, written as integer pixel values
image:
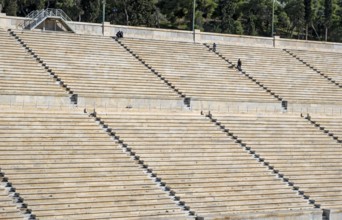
(308, 11)
(327, 12)
(227, 11)
(133, 12)
(252, 17)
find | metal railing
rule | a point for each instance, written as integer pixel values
(33, 14)
(36, 17)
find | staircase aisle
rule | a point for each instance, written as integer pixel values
(208, 80)
(22, 80)
(65, 167)
(214, 176)
(300, 151)
(326, 62)
(301, 86)
(332, 125)
(8, 210)
(100, 71)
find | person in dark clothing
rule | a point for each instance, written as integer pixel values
(93, 114)
(239, 64)
(214, 47)
(119, 34)
(308, 116)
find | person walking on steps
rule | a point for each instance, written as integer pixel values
(214, 47)
(239, 64)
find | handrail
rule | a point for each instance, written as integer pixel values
(38, 15)
(31, 14)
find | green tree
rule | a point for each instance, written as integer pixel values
(176, 13)
(335, 29)
(2, 4)
(142, 12)
(72, 8)
(11, 7)
(227, 11)
(257, 17)
(327, 16)
(133, 12)
(204, 11)
(179, 13)
(282, 21)
(307, 16)
(295, 11)
(339, 13)
(26, 6)
(252, 17)
(92, 10)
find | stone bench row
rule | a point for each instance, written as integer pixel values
(147, 201)
(186, 162)
(295, 163)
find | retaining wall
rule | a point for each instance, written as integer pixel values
(107, 29)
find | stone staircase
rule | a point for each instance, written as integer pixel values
(65, 167)
(248, 76)
(307, 157)
(135, 163)
(329, 79)
(301, 86)
(22, 80)
(8, 210)
(16, 198)
(100, 71)
(327, 63)
(260, 159)
(161, 77)
(142, 163)
(207, 170)
(209, 81)
(329, 125)
(56, 78)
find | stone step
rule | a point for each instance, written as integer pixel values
(133, 215)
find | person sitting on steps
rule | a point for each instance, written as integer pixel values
(119, 34)
(93, 114)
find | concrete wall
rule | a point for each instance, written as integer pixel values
(185, 36)
(134, 32)
(235, 106)
(309, 45)
(236, 39)
(336, 214)
(313, 214)
(32, 100)
(11, 22)
(122, 103)
(315, 108)
(86, 28)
